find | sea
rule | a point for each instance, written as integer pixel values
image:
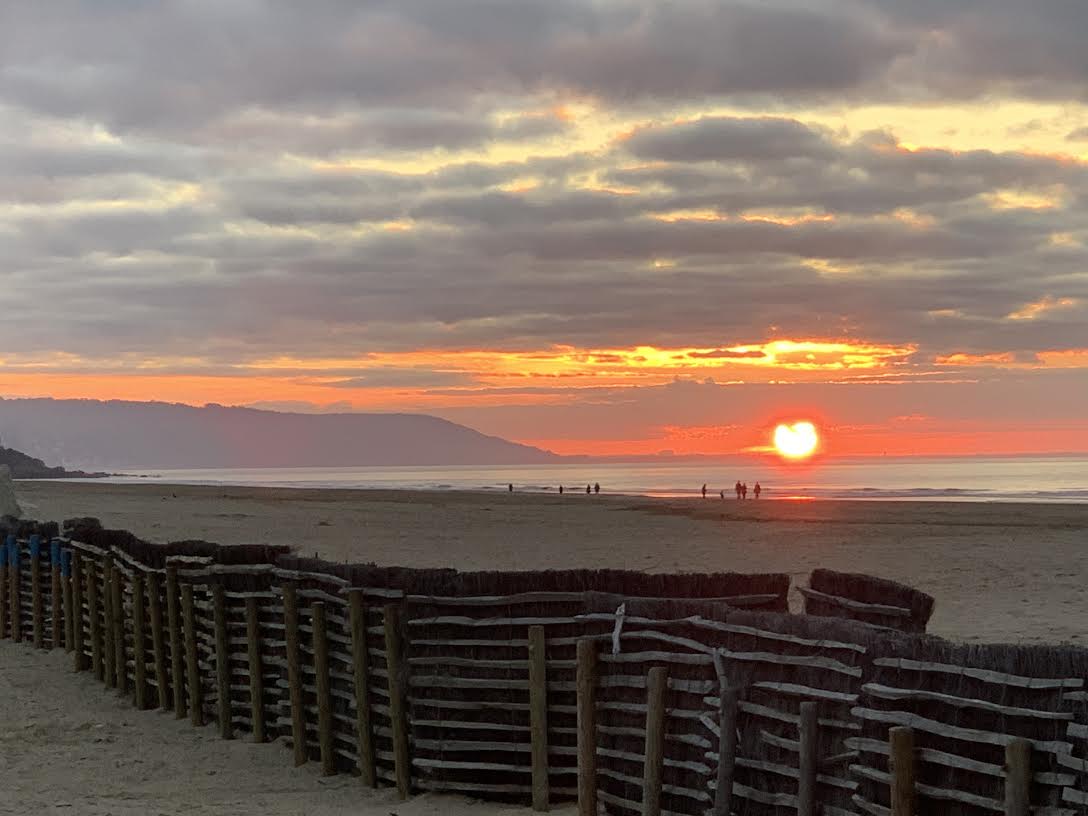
(985, 479)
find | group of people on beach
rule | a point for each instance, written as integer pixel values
(740, 488)
(594, 488)
(590, 489)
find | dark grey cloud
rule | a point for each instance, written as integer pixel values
(330, 74)
(181, 65)
(722, 138)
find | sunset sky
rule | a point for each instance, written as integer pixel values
(598, 226)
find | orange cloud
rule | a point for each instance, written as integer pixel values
(1005, 358)
(1031, 311)
(1056, 358)
(430, 379)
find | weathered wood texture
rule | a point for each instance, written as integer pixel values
(587, 727)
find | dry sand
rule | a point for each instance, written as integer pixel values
(999, 572)
(70, 746)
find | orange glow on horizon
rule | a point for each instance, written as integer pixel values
(446, 381)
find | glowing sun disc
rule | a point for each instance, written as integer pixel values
(796, 441)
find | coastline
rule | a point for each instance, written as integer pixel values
(999, 572)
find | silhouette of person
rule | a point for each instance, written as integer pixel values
(758, 490)
(510, 487)
(588, 490)
(744, 490)
(704, 490)
(737, 488)
(722, 494)
(596, 487)
(560, 490)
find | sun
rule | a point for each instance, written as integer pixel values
(796, 441)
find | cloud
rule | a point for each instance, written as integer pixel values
(428, 175)
(404, 378)
(726, 354)
(730, 138)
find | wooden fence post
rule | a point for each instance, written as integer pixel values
(79, 661)
(294, 673)
(321, 681)
(109, 615)
(727, 747)
(586, 686)
(810, 734)
(222, 662)
(657, 683)
(256, 677)
(68, 593)
(56, 603)
(4, 605)
(1018, 778)
(177, 660)
(95, 623)
(139, 643)
(538, 715)
(14, 590)
(361, 666)
(196, 711)
(158, 647)
(901, 765)
(397, 709)
(117, 588)
(37, 606)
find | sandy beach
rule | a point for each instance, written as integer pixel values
(70, 746)
(999, 572)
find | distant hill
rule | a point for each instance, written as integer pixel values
(118, 435)
(22, 466)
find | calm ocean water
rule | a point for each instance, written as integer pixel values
(1043, 479)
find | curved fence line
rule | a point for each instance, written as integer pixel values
(540, 688)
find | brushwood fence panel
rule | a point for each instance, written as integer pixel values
(470, 692)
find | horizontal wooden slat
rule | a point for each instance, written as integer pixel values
(985, 675)
(889, 693)
(855, 606)
(954, 731)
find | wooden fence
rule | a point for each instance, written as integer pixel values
(538, 689)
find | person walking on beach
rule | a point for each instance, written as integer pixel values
(722, 494)
(588, 490)
(758, 490)
(510, 488)
(737, 488)
(704, 490)
(560, 490)
(596, 487)
(744, 490)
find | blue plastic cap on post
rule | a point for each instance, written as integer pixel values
(66, 563)
(35, 545)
